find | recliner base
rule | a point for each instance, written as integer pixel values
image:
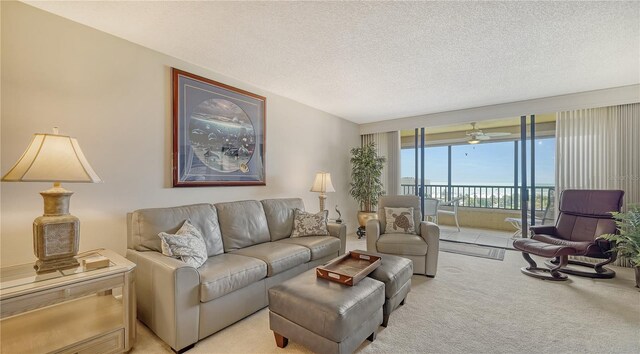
(542, 273)
(598, 273)
(534, 271)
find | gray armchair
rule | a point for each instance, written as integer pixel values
(421, 247)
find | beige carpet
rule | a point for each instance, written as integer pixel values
(474, 305)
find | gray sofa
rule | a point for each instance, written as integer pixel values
(249, 248)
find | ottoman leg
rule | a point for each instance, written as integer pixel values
(402, 302)
(385, 320)
(372, 337)
(281, 341)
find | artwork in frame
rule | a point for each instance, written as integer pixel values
(219, 133)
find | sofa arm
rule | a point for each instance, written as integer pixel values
(167, 292)
(372, 234)
(339, 231)
(430, 232)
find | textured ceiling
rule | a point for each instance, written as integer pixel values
(372, 61)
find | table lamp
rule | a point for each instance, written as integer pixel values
(56, 234)
(322, 184)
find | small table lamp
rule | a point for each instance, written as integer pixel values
(322, 185)
(54, 158)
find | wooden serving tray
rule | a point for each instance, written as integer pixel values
(349, 268)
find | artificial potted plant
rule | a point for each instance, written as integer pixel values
(366, 186)
(627, 240)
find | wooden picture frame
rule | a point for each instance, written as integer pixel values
(219, 133)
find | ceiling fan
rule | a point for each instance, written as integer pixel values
(477, 135)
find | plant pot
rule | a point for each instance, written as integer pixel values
(364, 216)
(638, 276)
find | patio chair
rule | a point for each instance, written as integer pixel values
(431, 209)
(455, 203)
(585, 215)
(546, 217)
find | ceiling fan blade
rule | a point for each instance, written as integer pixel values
(482, 137)
(497, 134)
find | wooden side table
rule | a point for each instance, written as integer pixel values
(69, 311)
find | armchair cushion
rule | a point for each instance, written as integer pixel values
(399, 220)
(543, 249)
(308, 224)
(320, 246)
(402, 244)
(186, 244)
(222, 274)
(580, 247)
(396, 201)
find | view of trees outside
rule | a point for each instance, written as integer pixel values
(482, 174)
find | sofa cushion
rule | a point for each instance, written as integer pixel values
(279, 213)
(144, 225)
(278, 256)
(243, 224)
(225, 273)
(308, 224)
(402, 244)
(186, 244)
(320, 246)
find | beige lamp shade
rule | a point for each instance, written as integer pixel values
(322, 183)
(52, 158)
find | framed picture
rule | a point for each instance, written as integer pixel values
(219, 133)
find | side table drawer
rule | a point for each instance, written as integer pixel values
(49, 297)
(109, 343)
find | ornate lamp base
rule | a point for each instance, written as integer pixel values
(56, 233)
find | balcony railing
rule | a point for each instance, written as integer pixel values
(490, 197)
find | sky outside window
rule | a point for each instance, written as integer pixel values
(487, 163)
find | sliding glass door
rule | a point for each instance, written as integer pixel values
(505, 165)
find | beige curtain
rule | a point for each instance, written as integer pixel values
(387, 145)
(599, 148)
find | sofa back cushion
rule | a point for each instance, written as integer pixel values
(243, 224)
(144, 225)
(279, 213)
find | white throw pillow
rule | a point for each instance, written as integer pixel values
(187, 244)
(307, 224)
(399, 220)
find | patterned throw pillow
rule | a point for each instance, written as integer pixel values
(307, 224)
(187, 245)
(399, 220)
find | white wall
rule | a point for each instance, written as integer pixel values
(590, 99)
(115, 98)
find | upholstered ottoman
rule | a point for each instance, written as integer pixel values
(395, 272)
(325, 316)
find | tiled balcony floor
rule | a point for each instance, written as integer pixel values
(483, 237)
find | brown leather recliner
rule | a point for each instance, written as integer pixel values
(585, 215)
